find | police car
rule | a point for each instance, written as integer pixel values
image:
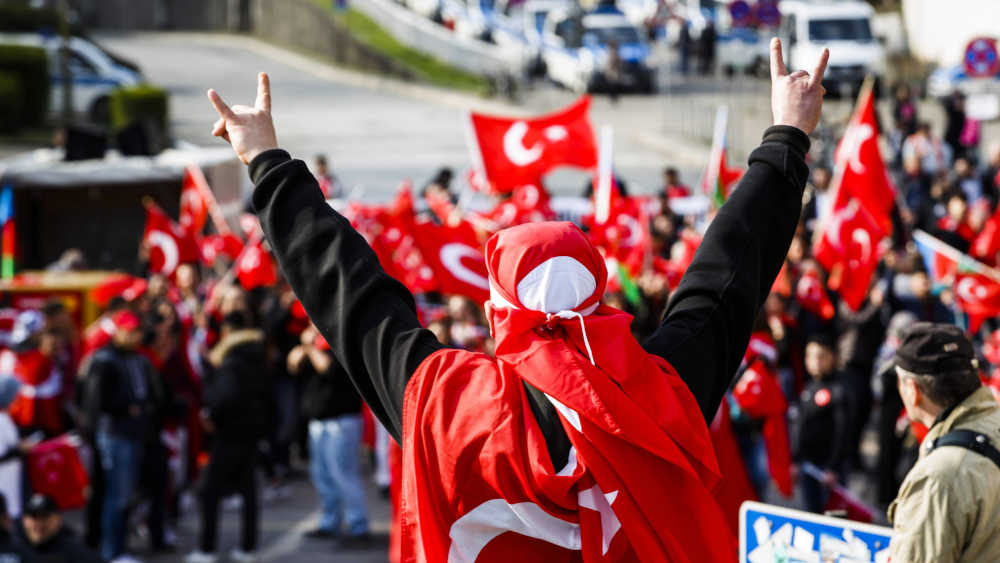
(575, 50)
(95, 73)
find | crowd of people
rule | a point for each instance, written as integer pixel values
(190, 383)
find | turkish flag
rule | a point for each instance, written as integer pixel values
(625, 233)
(759, 395)
(55, 470)
(978, 296)
(515, 152)
(849, 250)
(456, 258)
(211, 247)
(169, 244)
(255, 267)
(860, 172)
(987, 243)
(194, 204)
(812, 296)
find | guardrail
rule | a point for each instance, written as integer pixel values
(418, 32)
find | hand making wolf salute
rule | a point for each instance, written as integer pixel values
(574, 442)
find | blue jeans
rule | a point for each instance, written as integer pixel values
(120, 459)
(336, 472)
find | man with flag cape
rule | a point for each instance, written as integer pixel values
(575, 442)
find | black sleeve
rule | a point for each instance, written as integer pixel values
(843, 406)
(368, 317)
(707, 323)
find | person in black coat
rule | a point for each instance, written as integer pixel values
(41, 536)
(824, 422)
(235, 411)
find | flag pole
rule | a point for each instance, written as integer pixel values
(214, 211)
(838, 166)
(602, 192)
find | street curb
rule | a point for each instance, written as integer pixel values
(341, 75)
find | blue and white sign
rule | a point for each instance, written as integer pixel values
(773, 534)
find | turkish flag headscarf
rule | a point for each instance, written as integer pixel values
(479, 484)
(515, 152)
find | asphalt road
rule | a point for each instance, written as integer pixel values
(376, 134)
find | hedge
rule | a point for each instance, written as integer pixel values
(31, 66)
(11, 102)
(133, 104)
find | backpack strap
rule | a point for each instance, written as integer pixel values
(970, 440)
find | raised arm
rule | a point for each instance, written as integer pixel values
(708, 321)
(368, 317)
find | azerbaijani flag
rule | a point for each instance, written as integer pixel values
(944, 262)
(8, 228)
(719, 178)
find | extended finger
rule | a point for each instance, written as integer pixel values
(219, 127)
(220, 106)
(777, 60)
(817, 76)
(263, 102)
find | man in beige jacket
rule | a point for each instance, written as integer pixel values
(948, 507)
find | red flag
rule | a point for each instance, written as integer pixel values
(987, 243)
(760, 396)
(212, 246)
(55, 470)
(719, 178)
(859, 169)
(255, 268)
(811, 294)
(395, 244)
(169, 244)
(194, 206)
(515, 151)
(735, 487)
(848, 248)
(456, 258)
(978, 296)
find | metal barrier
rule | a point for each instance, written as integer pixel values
(418, 32)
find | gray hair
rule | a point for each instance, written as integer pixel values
(947, 389)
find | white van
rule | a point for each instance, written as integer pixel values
(95, 73)
(845, 27)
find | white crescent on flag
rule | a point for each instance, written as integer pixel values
(451, 257)
(513, 145)
(969, 289)
(168, 246)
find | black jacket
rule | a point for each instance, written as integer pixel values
(64, 547)
(328, 394)
(823, 423)
(238, 390)
(370, 319)
(123, 395)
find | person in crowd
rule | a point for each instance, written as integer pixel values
(440, 185)
(327, 180)
(706, 48)
(481, 438)
(235, 412)
(333, 408)
(965, 178)
(121, 401)
(914, 183)
(913, 292)
(934, 155)
(11, 550)
(824, 423)
(890, 443)
(904, 111)
(948, 507)
(818, 204)
(955, 122)
(42, 535)
(990, 177)
(672, 185)
(614, 71)
(32, 358)
(12, 449)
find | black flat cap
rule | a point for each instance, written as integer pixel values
(41, 505)
(935, 348)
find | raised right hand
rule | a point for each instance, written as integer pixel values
(796, 98)
(250, 130)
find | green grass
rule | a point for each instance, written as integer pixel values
(424, 66)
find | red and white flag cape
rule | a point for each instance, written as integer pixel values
(514, 152)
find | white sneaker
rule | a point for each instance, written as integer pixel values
(199, 557)
(240, 556)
